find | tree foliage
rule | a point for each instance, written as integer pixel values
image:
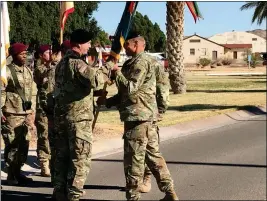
(260, 13)
(155, 38)
(102, 38)
(34, 23)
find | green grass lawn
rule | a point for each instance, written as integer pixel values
(206, 96)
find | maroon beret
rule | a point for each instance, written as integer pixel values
(17, 48)
(65, 45)
(43, 48)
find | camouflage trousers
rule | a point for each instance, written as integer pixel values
(73, 156)
(43, 148)
(16, 136)
(51, 138)
(141, 146)
(148, 172)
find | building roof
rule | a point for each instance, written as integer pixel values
(237, 45)
(204, 39)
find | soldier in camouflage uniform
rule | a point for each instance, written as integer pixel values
(136, 101)
(49, 104)
(16, 108)
(75, 81)
(162, 98)
(43, 68)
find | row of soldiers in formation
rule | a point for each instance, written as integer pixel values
(64, 115)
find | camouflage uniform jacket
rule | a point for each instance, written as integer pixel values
(136, 83)
(44, 78)
(74, 84)
(10, 99)
(162, 87)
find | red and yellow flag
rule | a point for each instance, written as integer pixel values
(5, 43)
(66, 8)
(193, 7)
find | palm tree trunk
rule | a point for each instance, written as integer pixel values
(175, 34)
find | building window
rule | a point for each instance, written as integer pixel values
(194, 41)
(204, 51)
(235, 54)
(192, 51)
(254, 39)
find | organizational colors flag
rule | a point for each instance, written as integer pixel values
(123, 28)
(5, 44)
(193, 7)
(66, 8)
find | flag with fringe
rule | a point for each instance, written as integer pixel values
(193, 7)
(5, 43)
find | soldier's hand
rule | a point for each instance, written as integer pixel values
(115, 67)
(101, 100)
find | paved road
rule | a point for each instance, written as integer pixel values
(228, 163)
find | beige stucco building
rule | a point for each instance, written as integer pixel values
(240, 37)
(196, 47)
(232, 45)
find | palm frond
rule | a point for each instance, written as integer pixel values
(249, 5)
(263, 15)
(260, 12)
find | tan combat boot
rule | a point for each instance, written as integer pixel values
(170, 196)
(146, 186)
(45, 171)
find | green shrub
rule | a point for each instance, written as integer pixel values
(227, 61)
(204, 61)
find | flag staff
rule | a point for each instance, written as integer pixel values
(66, 8)
(61, 31)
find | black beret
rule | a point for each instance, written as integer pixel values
(80, 36)
(132, 35)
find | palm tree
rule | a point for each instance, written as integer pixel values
(260, 13)
(175, 33)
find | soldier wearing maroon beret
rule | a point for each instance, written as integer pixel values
(43, 77)
(16, 108)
